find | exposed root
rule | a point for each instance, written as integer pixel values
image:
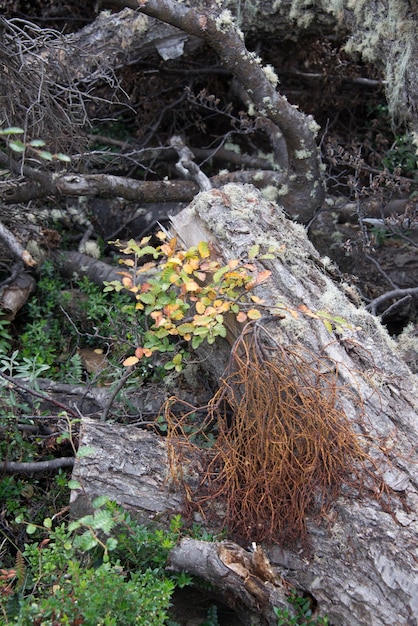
(284, 446)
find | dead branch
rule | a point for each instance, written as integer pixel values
(13, 467)
(375, 304)
(248, 582)
(15, 294)
(7, 237)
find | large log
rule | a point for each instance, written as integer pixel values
(362, 562)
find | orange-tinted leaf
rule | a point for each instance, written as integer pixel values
(241, 317)
(131, 360)
(262, 277)
(192, 285)
(200, 276)
(127, 282)
(147, 266)
(306, 311)
(233, 263)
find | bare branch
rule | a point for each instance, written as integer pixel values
(16, 248)
(43, 396)
(13, 467)
(390, 295)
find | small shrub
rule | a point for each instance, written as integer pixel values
(104, 568)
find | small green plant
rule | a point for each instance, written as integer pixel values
(104, 568)
(189, 296)
(5, 336)
(301, 615)
(35, 147)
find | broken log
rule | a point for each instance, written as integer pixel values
(360, 562)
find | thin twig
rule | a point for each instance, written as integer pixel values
(112, 397)
(17, 383)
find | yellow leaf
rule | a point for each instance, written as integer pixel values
(328, 325)
(254, 314)
(161, 235)
(131, 360)
(203, 248)
(200, 307)
(257, 300)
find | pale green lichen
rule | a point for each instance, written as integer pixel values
(232, 147)
(225, 21)
(303, 154)
(313, 126)
(299, 12)
(271, 75)
(283, 190)
(92, 249)
(385, 31)
(270, 192)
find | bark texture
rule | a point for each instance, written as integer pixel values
(362, 564)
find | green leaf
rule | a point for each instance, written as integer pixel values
(99, 501)
(30, 529)
(63, 157)
(111, 543)
(218, 275)
(37, 143)
(74, 484)
(48, 522)
(103, 520)
(17, 146)
(196, 341)
(327, 325)
(44, 154)
(186, 328)
(147, 298)
(253, 251)
(86, 541)
(12, 130)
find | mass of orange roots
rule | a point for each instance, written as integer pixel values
(284, 447)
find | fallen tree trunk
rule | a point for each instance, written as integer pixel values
(361, 563)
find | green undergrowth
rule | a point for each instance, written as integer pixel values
(59, 321)
(104, 568)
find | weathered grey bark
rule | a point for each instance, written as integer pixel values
(363, 567)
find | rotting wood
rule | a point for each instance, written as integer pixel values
(362, 563)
